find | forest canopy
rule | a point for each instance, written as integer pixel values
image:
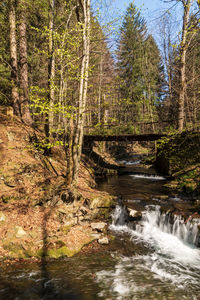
(58, 74)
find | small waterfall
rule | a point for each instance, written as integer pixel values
(120, 215)
(187, 231)
(153, 221)
(173, 258)
(150, 177)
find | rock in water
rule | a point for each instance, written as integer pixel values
(134, 214)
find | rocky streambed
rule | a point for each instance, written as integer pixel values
(152, 252)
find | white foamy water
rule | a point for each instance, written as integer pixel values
(171, 261)
(150, 177)
(170, 235)
(130, 163)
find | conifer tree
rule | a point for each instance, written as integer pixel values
(140, 70)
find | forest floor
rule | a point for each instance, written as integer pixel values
(38, 215)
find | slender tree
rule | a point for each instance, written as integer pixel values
(83, 85)
(49, 124)
(23, 64)
(183, 51)
(13, 57)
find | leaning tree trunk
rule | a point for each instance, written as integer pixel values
(13, 58)
(183, 50)
(78, 141)
(23, 65)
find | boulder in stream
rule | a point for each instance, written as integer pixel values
(134, 215)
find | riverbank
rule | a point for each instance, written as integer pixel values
(152, 242)
(179, 158)
(39, 216)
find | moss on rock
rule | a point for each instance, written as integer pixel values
(101, 201)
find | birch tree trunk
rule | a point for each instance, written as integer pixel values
(49, 123)
(78, 140)
(183, 50)
(23, 65)
(13, 58)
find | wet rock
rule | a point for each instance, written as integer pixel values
(161, 197)
(134, 215)
(100, 226)
(103, 241)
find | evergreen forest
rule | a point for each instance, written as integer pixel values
(59, 75)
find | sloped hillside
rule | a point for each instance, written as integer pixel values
(38, 214)
(179, 157)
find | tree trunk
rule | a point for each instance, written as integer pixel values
(194, 97)
(150, 107)
(183, 50)
(69, 153)
(13, 58)
(100, 86)
(168, 64)
(78, 141)
(23, 70)
(51, 71)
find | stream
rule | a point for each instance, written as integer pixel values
(155, 255)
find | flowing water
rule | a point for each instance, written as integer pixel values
(155, 257)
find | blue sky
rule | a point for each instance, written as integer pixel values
(151, 10)
(148, 6)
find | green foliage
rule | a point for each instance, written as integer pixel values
(181, 151)
(130, 54)
(140, 69)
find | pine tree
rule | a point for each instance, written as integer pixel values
(130, 50)
(140, 70)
